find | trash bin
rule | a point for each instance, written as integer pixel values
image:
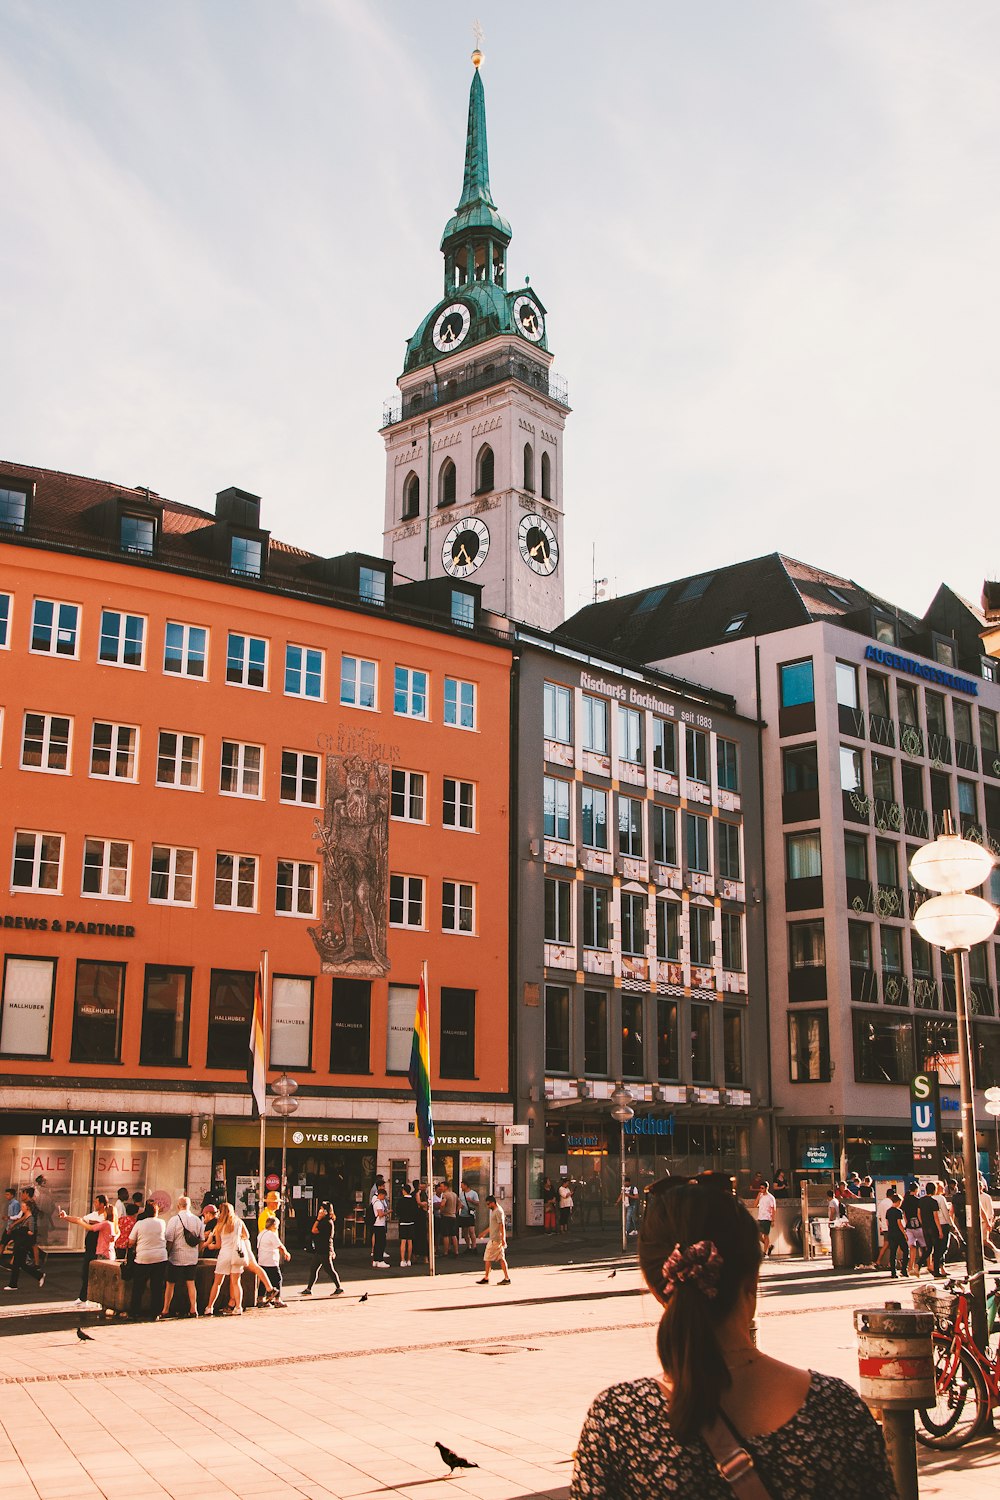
(842, 1246)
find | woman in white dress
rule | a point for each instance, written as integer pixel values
(232, 1239)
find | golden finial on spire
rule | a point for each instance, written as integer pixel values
(477, 51)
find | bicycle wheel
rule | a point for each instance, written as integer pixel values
(963, 1401)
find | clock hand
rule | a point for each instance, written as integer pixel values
(540, 547)
(462, 553)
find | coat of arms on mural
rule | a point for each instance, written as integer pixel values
(354, 839)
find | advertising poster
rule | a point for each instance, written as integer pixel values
(49, 1169)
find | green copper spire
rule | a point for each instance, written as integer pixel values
(477, 209)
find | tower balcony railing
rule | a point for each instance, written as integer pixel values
(536, 377)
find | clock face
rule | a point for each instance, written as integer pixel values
(451, 327)
(528, 319)
(538, 544)
(465, 548)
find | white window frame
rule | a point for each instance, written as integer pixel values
(300, 801)
(235, 880)
(173, 875)
(557, 706)
(593, 712)
(562, 792)
(407, 888)
(297, 868)
(631, 852)
(305, 672)
(6, 619)
(180, 737)
(58, 605)
(459, 709)
(46, 738)
(458, 907)
(109, 865)
(244, 661)
(404, 681)
(34, 887)
(123, 616)
(594, 792)
(190, 656)
(629, 727)
(458, 783)
(241, 771)
(414, 789)
(114, 750)
(355, 675)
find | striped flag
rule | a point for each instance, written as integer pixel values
(256, 1073)
(420, 1064)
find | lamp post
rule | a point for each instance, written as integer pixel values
(622, 1111)
(284, 1105)
(956, 920)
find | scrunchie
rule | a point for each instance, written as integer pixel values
(700, 1265)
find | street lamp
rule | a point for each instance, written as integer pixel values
(955, 920)
(284, 1105)
(622, 1111)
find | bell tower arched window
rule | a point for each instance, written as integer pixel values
(447, 478)
(529, 467)
(485, 470)
(411, 496)
(546, 477)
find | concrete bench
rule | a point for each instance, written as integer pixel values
(106, 1286)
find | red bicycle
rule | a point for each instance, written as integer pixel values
(965, 1377)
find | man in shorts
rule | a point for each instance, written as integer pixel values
(182, 1257)
(766, 1208)
(496, 1245)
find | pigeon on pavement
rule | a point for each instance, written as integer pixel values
(454, 1460)
(614, 1273)
(84, 1338)
(363, 1298)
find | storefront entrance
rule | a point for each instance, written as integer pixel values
(325, 1160)
(465, 1154)
(67, 1158)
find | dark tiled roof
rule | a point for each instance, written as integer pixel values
(770, 593)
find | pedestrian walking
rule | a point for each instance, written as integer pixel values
(765, 1209)
(270, 1253)
(421, 1240)
(913, 1228)
(700, 1254)
(468, 1207)
(380, 1211)
(149, 1239)
(185, 1233)
(496, 1245)
(899, 1250)
(324, 1254)
(565, 1206)
(629, 1195)
(407, 1214)
(881, 1220)
(930, 1223)
(449, 1220)
(21, 1234)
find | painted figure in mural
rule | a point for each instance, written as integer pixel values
(354, 841)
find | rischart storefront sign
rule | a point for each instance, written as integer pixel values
(86, 1125)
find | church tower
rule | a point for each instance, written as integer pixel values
(474, 457)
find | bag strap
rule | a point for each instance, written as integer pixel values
(733, 1461)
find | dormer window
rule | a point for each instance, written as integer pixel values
(371, 585)
(463, 608)
(944, 652)
(13, 510)
(137, 534)
(884, 629)
(245, 556)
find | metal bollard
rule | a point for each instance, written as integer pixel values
(896, 1365)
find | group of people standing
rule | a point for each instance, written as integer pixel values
(918, 1228)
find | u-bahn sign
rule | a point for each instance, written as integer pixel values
(925, 1118)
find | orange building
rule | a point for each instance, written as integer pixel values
(213, 745)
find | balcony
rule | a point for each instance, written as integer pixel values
(883, 731)
(860, 895)
(911, 740)
(526, 372)
(888, 816)
(804, 895)
(851, 721)
(966, 756)
(895, 989)
(800, 807)
(864, 985)
(857, 807)
(939, 749)
(925, 992)
(915, 822)
(807, 983)
(889, 901)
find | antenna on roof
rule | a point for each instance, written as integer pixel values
(600, 584)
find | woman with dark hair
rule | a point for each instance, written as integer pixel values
(720, 1400)
(324, 1254)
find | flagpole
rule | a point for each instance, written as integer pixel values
(263, 1113)
(430, 1144)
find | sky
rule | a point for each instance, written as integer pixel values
(767, 235)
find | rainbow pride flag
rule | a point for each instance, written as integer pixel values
(256, 1072)
(420, 1064)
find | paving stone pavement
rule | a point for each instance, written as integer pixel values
(339, 1398)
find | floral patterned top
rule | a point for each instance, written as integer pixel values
(831, 1444)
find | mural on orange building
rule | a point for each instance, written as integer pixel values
(354, 839)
